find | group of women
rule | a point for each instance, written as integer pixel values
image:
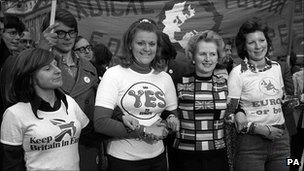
(150, 107)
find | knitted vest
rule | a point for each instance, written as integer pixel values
(202, 104)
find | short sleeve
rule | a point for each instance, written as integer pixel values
(280, 76)
(170, 95)
(107, 92)
(235, 83)
(11, 129)
(81, 116)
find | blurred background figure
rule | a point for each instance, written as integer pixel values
(26, 41)
(102, 59)
(1, 22)
(228, 60)
(83, 49)
(13, 28)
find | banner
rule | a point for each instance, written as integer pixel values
(104, 21)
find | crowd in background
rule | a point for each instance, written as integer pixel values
(65, 105)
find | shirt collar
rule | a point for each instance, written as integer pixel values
(39, 104)
(245, 65)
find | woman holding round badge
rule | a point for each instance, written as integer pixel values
(142, 90)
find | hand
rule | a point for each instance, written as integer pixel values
(48, 39)
(271, 133)
(130, 122)
(156, 132)
(173, 123)
(240, 121)
(230, 119)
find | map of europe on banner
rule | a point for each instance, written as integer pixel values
(106, 21)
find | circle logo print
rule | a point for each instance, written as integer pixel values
(269, 86)
(143, 100)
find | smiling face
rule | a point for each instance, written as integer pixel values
(48, 77)
(206, 58)
(83, 49)
(256, 46)
(66, 43)
(144, 46)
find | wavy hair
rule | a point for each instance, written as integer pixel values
(251, 26)
(207, 36)
(143, 24)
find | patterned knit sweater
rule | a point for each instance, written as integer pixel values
(202, 104)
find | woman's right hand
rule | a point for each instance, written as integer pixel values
(130, 122)
(240, 121)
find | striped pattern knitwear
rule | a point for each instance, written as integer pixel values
(202, 105)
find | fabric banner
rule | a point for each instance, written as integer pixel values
(104, 21)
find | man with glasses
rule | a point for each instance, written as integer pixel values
(13, 28)
(79, 77)
(26, 41)
(83, 49)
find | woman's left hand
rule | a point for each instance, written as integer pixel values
(173, 123)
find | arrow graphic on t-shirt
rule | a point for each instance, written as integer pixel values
(66, 128)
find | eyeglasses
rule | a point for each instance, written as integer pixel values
(24, 41)
(84, 49)
(62, 34)
(13, 33)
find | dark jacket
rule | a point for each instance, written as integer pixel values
(289, 89)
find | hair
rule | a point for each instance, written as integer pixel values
(12, 21)
(143, 24)
(19, 72)
(251, 26)
(63, 16)
(103, 57)
(168, 51)
(78, 38)
(206, 36)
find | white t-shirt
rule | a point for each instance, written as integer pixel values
(142, 96)
(260, 94)
(50, 143)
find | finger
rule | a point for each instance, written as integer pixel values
(51, 27)
(128, 124)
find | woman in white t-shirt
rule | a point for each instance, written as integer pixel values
(142, 90)
(41, 129)
(256, 86)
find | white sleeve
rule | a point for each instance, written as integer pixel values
(80, 115)
(170, 94)
(107, 92)
(235, 83)
(281, 76)
(11, 129)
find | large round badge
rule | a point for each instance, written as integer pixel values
(142, 100)
(86, 79)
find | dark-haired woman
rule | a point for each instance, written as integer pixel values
(41, 130)
(256, 85)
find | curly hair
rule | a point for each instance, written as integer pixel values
(207, 36)
(143, 24)
(251, 26)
